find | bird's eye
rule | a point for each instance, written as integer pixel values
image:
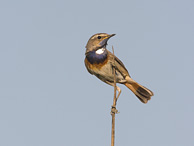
(99, 37)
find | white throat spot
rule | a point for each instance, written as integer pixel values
(100, 51)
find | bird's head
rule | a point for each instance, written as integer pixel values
(97, 41)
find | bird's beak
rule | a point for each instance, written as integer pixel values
(111, 35)
(104, 41)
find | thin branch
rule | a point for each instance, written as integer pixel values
(115, 93)
(113, 109)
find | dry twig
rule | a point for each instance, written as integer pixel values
(113, 109)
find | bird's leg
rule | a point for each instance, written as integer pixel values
(118, 89)
(119, 92)
(113, 109)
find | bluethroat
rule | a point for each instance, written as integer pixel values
(100, 62)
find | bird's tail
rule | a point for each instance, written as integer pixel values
(140, 91)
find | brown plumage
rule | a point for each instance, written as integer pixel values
(100, 62)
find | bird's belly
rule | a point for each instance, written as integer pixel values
(106, 73)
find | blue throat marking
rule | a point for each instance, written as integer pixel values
(94, 58)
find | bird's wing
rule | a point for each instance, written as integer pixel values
(118, 65)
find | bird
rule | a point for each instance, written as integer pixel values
(101, 63)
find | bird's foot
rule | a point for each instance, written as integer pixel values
(114, 110)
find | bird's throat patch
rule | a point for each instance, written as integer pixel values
(100, 51)
(98, 56)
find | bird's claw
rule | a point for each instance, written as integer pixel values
(114, 110)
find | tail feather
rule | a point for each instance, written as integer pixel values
(140, 91)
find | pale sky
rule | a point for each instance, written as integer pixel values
(47, 96)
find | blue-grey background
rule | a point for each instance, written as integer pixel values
(48, 98)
